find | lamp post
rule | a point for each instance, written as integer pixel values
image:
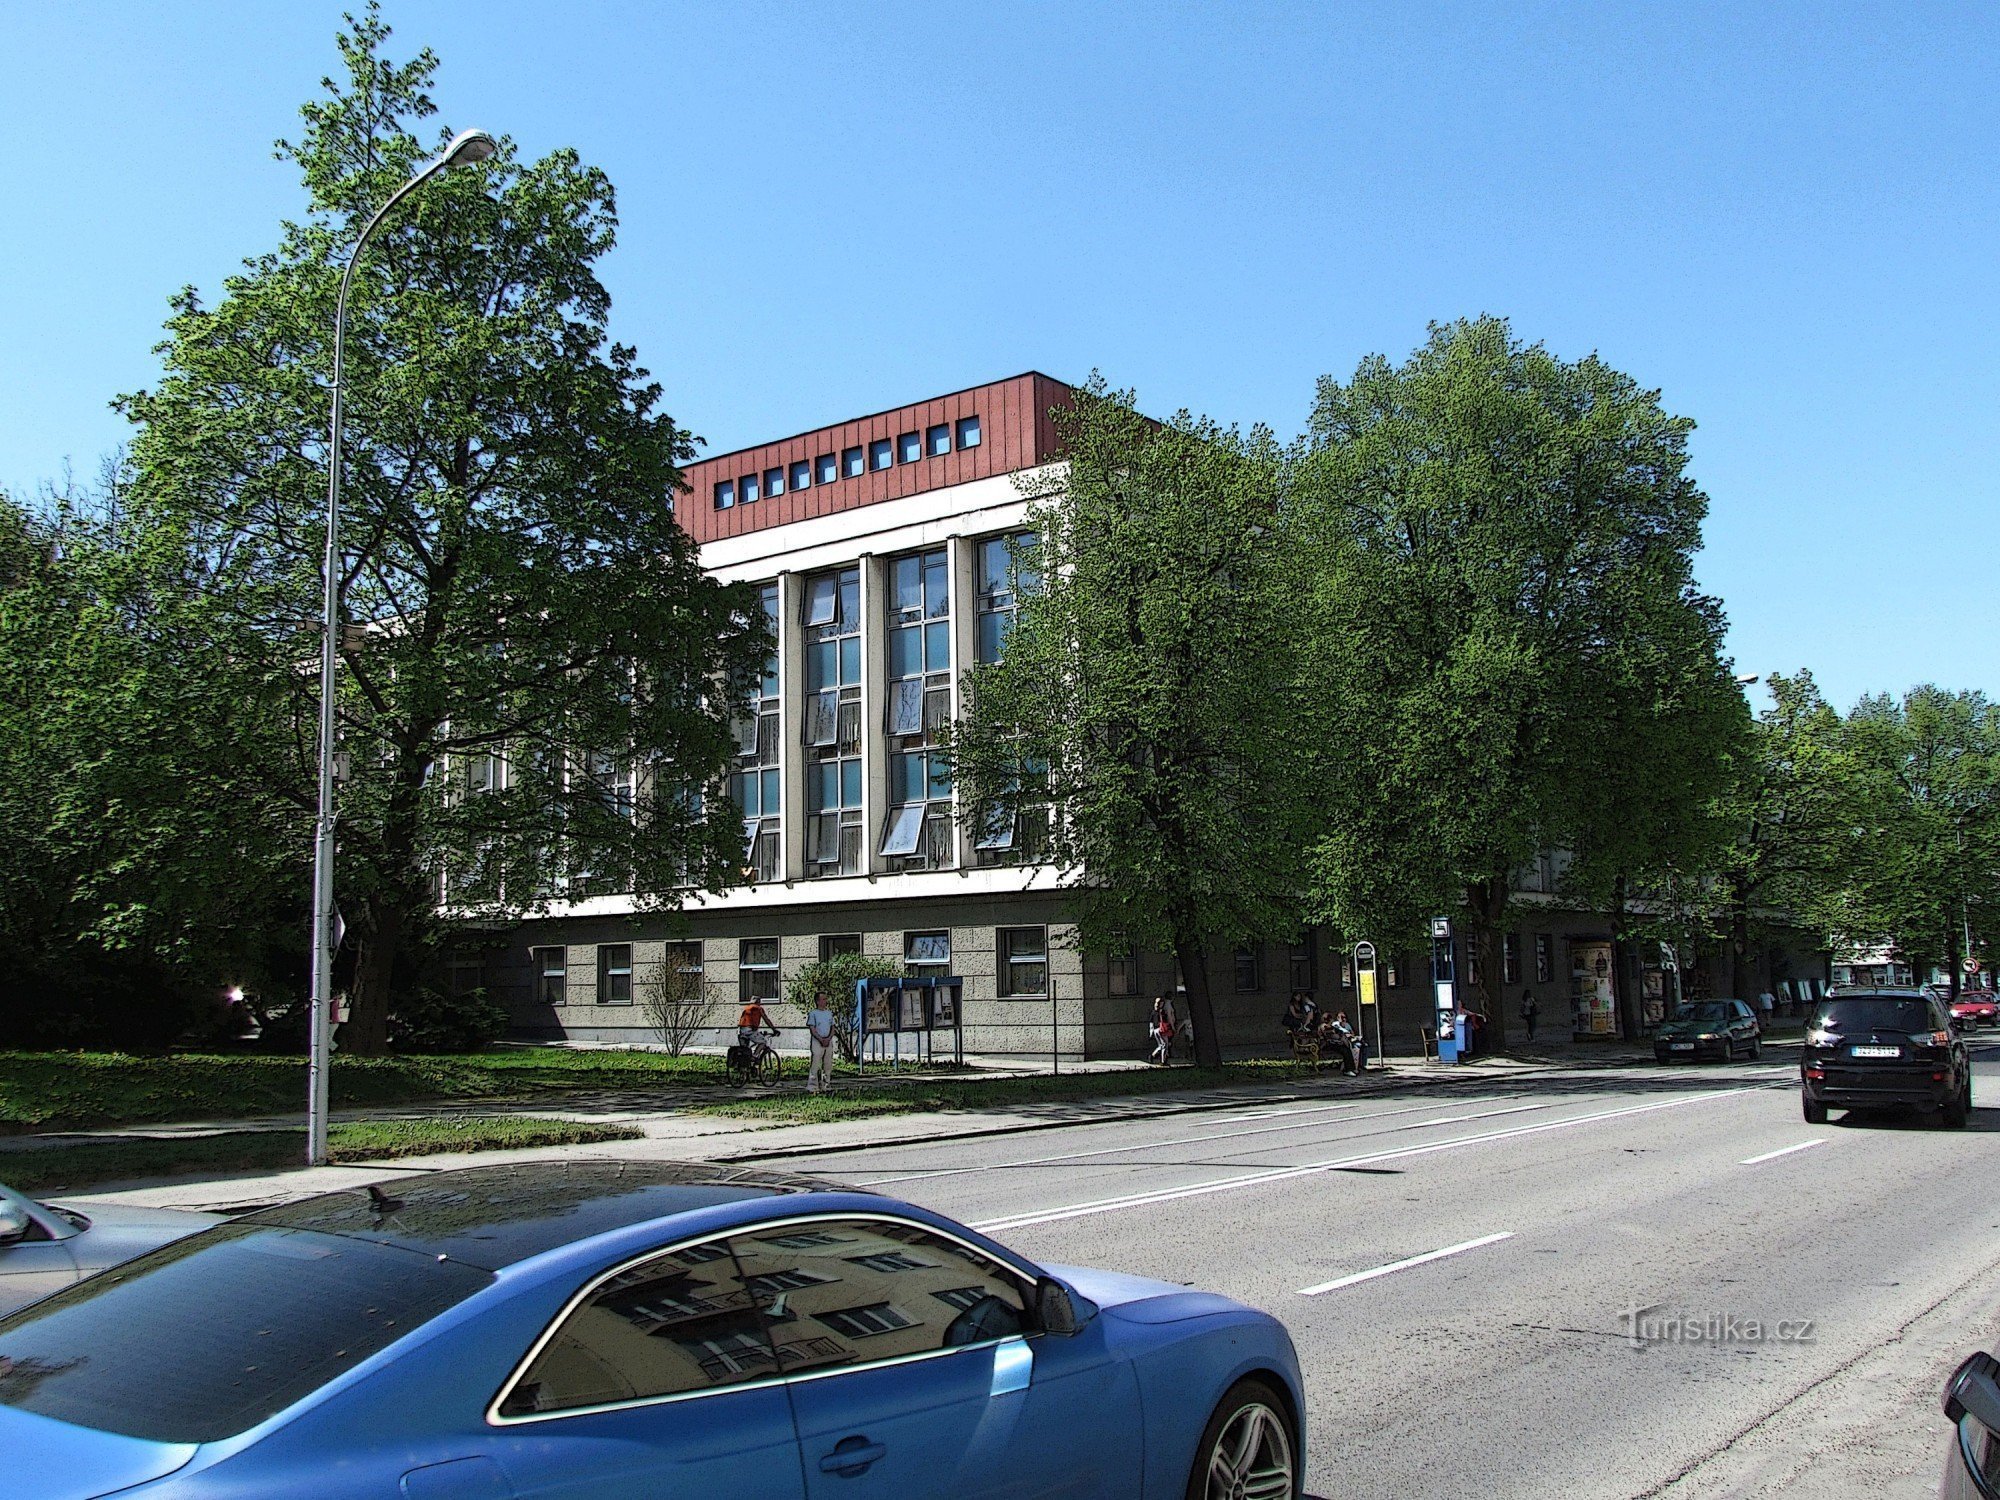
(465, 148)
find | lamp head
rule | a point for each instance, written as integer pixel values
(467, 147)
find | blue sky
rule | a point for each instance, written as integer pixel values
(1781, 215)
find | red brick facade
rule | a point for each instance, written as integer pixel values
(1016, 432)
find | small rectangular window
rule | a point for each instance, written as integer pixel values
(828, 468)
(906, 706)
(909, 448)
(938, 440)
(551, 975)
(801, 475)
(1123, 974)
(774, 481)
(852, 463)
(1510, 958)
(833, 944)
(1024, 960)
(968, 432)
(747, 489)
(614, 973)
(880, 456)
(725, 493)
(1249, 969)
(1545, 968)
(927, 952)
(1303, 966)
(757, 969)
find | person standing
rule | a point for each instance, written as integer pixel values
(1766, 1002)
(1530, 1012)
(819, 1043)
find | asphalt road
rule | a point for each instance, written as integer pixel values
(1798, 1292)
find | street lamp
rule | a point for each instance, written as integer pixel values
(464, 149)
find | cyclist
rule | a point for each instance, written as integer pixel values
(751, 1029)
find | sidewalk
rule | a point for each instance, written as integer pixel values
(677, 1136)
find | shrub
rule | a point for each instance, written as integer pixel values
(426, 1020)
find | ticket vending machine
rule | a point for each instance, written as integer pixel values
(1451, 1037)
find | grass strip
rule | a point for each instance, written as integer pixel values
(866, 1101)
(49, 1169)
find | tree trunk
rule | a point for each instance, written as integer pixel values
(1487, 901)
(1954, 961)
(366, 1033)
(1738, 949)
(1622, 989)
(1193, 959)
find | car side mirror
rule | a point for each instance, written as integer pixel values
(1972, 1402)
(14, 1222)
(1060, 1311)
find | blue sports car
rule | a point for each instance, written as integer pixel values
(604, 1329)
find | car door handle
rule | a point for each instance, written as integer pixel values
(850, 1456)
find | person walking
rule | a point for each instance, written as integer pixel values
(1766, 1003)
(819, 1042)
(1530, 1012)
(1161, 1030)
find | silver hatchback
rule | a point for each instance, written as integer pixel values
(45, 1246)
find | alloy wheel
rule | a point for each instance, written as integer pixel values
(1251, 1458)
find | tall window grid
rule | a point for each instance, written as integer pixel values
(917, 831)
(755, 783)
(833, 723)
(1008, 573)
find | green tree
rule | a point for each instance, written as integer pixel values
(835, 976)
(1146, 693)
(1800, 810)
(1928, 874)
(132, 887)
(1487, 538)
(537, 678)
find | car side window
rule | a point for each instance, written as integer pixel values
(680, 1323)
(858, 1290)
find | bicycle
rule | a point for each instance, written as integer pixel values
(755, 1061)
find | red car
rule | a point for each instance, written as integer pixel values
(1976, 1010)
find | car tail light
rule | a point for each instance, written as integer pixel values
(1937, 1078)
(1816, 1074)
(1940, 1038)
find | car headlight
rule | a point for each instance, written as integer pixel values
(1708, 1036)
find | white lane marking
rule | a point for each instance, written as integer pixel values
(1283, 1174)
(1403, 1265)
(875, 1181)
(1751, 1161)
(1519, 1109)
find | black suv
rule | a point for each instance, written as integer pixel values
(1884, 1049)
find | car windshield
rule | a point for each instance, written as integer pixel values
(1873, 1015)
(209, 1336)
(1708, 1010)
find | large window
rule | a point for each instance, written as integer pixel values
(1024, 960)
(850, 1291)
(833, 723)
(551, 974)
(1008, 572)
(1510, 958)
(917, 830)
(757, 970)
(614, 973)
(755, 781)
